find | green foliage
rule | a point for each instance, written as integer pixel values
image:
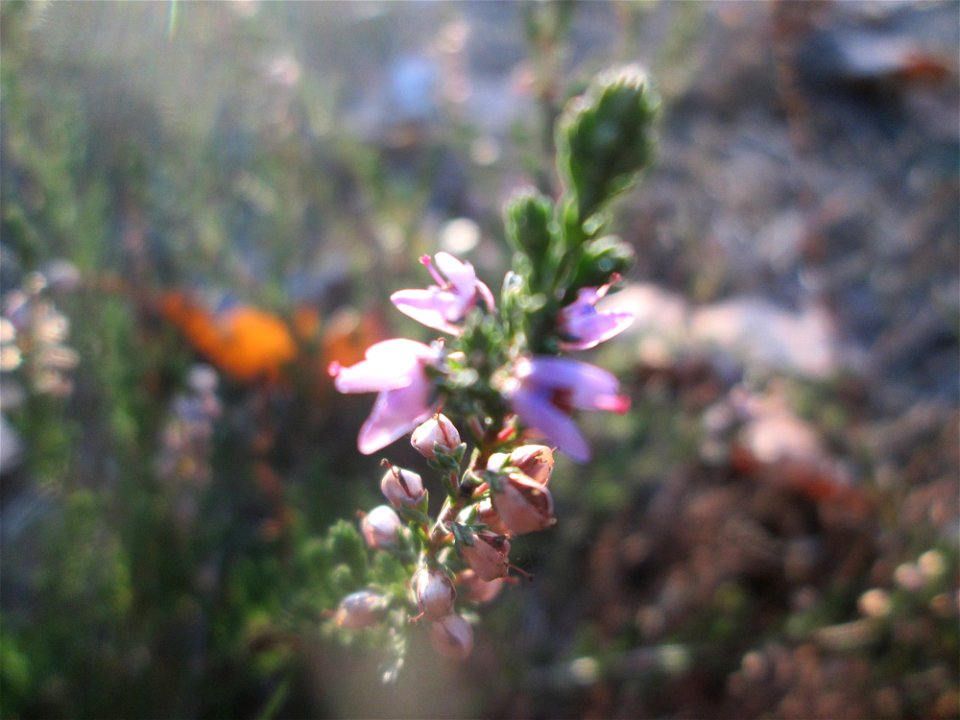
(599, 260)
(528, 220)
(605, 137)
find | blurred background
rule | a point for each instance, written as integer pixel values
(203, 204)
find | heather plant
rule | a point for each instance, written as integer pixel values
(489, 401)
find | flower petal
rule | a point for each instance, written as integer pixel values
(592, 328)
(372, 376)
(400, 347)
(586, 382)
(484, 291)
(535, 409)
(433, 307)
(394, 414)
(460, 274)
(584, 327)
(388, 365)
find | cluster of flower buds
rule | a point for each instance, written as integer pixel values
(463, 554)
(33, 333)
(501, 373)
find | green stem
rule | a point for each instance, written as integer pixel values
(458, 499)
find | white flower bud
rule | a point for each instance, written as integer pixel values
(434, 592)
(379, 527)
(437, 432)
(452, 637)
(402, 487)
(359, 610)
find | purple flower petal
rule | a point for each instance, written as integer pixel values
(593, 328)
(433, 307)
(387, 366)
(460, 274)
(590, 387)
(545, 389)
(535, 410)
(583, 326)
(395, 368)
(394, 414)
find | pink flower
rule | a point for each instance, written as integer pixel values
(582, 326)
(445, 305)
(543, 391)
(397, 370)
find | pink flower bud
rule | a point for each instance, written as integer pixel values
(524, 505)
(359, 610)
(534, 461)
(473, 589)
(488, 555)
(402, 487)
(452, 637)
(437, 432)
(379, 527)
(434, 592)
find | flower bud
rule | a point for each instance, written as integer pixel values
(523, 504)
(437, 433)
(488, 555)
(497, 461)
(534, 461)
(475, 590)
(402, 487)
(452, 637)
(487, 515)
(359, 610)
(434, 592)
(379, 527)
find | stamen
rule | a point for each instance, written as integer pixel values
(438, 278)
